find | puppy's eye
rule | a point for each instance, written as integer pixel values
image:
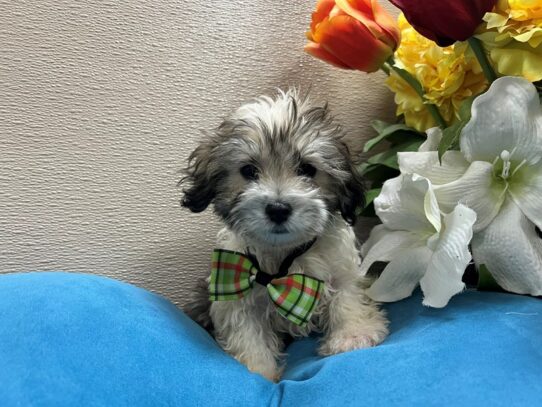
(306, 170)
(249, 172)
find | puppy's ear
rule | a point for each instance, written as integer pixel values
(200, 181)
(351, 193)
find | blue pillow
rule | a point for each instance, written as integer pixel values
(75, 339)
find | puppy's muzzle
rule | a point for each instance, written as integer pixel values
(278, 212)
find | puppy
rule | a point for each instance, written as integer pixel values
(280, 176)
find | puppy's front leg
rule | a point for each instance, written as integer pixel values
(352, 321)
(245, 333)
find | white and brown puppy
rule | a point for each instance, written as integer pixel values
(279, 175)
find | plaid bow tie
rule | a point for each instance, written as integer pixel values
(233, 275)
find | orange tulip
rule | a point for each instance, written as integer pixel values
(352, 34)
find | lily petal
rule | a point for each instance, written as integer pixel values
(526, 190)
(401, 275)
(477, 189)
(430, 205)
(401, 204)
(383, 245)
(434, 136)
(511, 250)
(443, 278)
(427, 165)
(506, 117)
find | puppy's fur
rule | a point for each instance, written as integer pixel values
(295, 155)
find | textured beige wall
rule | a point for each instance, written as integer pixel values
(100, 105)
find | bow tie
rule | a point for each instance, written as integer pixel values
(295, 295)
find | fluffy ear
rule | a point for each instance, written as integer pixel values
(199, 180)
(352, 193)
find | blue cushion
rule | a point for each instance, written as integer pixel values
(75, 339)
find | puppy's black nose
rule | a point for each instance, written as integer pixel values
(278, 212)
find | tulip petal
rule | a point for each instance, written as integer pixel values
(526, 191)
(361, 11)
(443, 278)
(401, 275)
(401, 204)
(445, 22)
(427, 165)
(322, 10)
(352, 43)
(383, 244)
(386, 21)
(477, 189)
(372, 16)
(511, 250)
(506, 117)
(317, 51)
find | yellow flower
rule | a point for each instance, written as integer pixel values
(448, 75)
(513, 37)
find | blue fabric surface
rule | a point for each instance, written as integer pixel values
(75, 339)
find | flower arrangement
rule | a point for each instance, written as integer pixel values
(460, 180)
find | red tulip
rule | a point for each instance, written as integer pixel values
(352, 34)
(445, 21)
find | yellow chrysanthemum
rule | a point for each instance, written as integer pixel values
(448, 75)
(513, 37)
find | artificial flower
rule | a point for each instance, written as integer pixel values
(513, 37)
(445, 21)
(421, 245)
(352, 34)
(448, 76)
(432, 140)
(497, 173)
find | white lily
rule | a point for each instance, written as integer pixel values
(422, 246)
(497, 173)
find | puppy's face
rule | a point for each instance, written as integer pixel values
(275, 171)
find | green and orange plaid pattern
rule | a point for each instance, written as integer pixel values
(295, 295)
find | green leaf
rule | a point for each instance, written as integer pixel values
(368, 209)
(401, 137)
(380, 125)
(391, 129)
(377, 174)
(370, 196)
(366, 212)
(408, 78)
(486, 282)
(389, 157)
(451, 135)
(363, 168)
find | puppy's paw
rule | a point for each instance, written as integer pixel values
(346, 340)
(266, 368)
(273, 375)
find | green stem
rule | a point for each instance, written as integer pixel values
(433, 110)
(414, 84)
(386, 69)
(479, 52)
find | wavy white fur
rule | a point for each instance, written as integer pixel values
(298, 158)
